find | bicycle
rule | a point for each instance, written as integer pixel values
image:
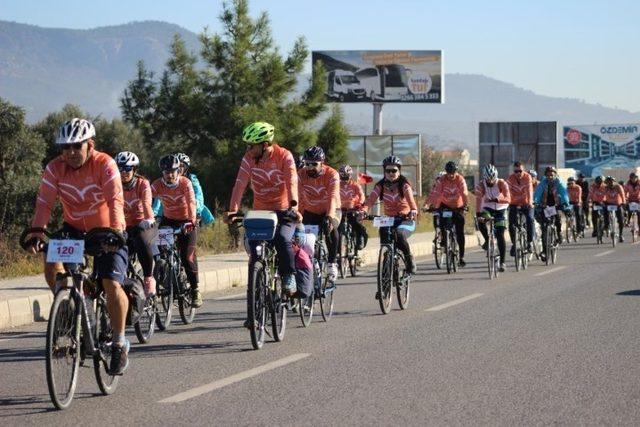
(79, 324)
(570, 227)
(171, 279)
(322, 290)
(633, 220)
(521, 245)
(266, 300)
(392, 267)
(451, 250)
(598, 222)
(347, 248)
(493, 255)
(436, 248)
(550, 234)
(613, 224)
(144, 326)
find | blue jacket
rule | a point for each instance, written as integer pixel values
(201, 210)
(558, 186)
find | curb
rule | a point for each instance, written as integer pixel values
(35, 308)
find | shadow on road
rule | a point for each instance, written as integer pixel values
(635, 293)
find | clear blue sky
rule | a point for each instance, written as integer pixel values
(580, 49)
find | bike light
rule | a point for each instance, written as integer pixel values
(259, 250)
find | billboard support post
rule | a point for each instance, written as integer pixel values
(377, 118)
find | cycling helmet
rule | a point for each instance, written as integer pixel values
(490, 172)
(550, 169)
(315, 154)
(633, 175)
(533, 173)
(257, 133)
(391, 160)
(608, 179)
(127, 158)
(345, 171)
(169, 162)
(580, 175)
(183, 158)
(451, 167)
(75, 130)
(599, 179)
(571, 179)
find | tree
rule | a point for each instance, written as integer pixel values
(333, 137)
(432, 163)
(48, 128)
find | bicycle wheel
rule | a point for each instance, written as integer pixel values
(491, 257)
(549, 236)
(613, 226)
(326, 301)
(448, 254)
(164, 293)
(524, 255)
(278, 311)
(343, 252)
(63, 349)
(145, 326)
(634, 227)
(600, 231)
(438, 253)
(518, 250)
(256, 305)
(186, 309)
(103, 338)
(353, 258)
(385, 272)
(402, 281)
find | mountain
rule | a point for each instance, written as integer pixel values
(42, 69)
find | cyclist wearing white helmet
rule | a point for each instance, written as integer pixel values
(141, 230)
(492, 200)
(351, 198)
(201, 209)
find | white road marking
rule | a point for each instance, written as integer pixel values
(454, 302)
(230, 297)
(605, 253)
(553, 270)
(207, 388)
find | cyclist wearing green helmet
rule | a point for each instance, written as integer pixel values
(271, 170)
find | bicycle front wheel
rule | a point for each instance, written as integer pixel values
(613, 226)
(257, 305)
(402, 281)
(63, 349)
(145, 326)
(103, 339)
(326, 300)
(385, 271)
(278, 311)
(164, 290)
(343, 251)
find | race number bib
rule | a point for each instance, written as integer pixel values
(634, 207)
(165, 237)
(311, 229)
(447, 214)
(383, 221)
(66, 251)
(550, 211)
(612, 208)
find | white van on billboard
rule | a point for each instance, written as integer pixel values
(343, 85)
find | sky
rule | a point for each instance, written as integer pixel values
(586, 49)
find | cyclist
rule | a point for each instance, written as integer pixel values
(203, 212)
(492, 200)
(550, 192)
(451, 192)
(585, 199)
(430, 203)
(319, 191)
(597, 195)
(521, 189)
(575, 198)
(534, 179)
(271, 170)
(351, 197)
(179, 211)
(138, 215)
(614, 196)
(632, 193)
(396, 195)
(87, 182)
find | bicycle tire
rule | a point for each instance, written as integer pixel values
(343, 255)
(634, 227)
(278, 310)
(63, 322)
(437, 251)
(164, 292)
(145, 326)
(326, 301)
(103, 338)
(549, 236)
(600, 231)
(256, 305)
(402, 281)
(613, 225)
(384, 276)
(518, 249)
(524, 255)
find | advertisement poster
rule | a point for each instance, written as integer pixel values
(592, 148)
(382, 76)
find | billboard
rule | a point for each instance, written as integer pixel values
(533, 143)
(592, 148)
(366, 152)
(382, 75)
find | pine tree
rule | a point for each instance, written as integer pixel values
(333, 137)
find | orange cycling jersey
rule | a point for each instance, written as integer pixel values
(632, 192)
(91, 195)
(320, 194)
(597, 193)
(615, 195)
(521, 189)
(393, 202)
(178, 202)
(137, 202)
(575, 194)
(433, 195)
(273, 180)
(351, 194)
(451, 192)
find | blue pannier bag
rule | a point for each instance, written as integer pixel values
(260, 225)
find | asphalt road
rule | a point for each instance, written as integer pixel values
(552, 345)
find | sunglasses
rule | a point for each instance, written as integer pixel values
(125, 168)
(391, 170)
(311, 164)
(169, 171)
(76, 146)
(517, 171)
